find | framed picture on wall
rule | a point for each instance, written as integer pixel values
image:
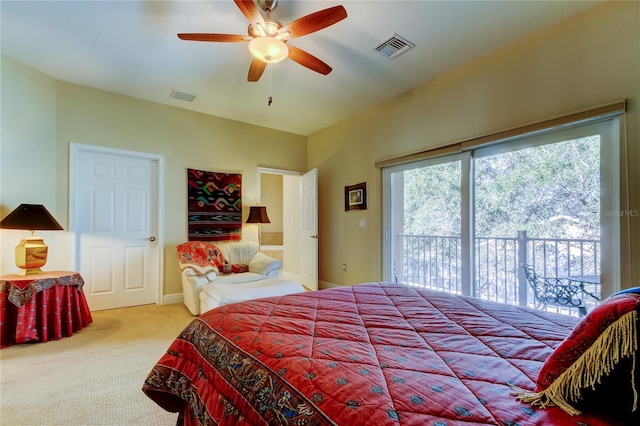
(355, 197)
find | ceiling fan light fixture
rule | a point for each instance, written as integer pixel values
(257, 31)
(267, 37)
(268, 49)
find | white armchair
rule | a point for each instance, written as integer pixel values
(222, 264)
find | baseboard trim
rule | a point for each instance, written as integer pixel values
(170, 299)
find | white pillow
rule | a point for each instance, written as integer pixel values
(260, 263)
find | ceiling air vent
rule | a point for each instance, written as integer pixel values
(182, 96)
(394, 46)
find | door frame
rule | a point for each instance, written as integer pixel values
(281, 172)
(390, 220)
(74, 244)
(299, 275)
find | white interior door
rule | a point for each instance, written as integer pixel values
(309, 230)
(116, 225)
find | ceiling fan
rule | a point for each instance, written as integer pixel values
(267, 37)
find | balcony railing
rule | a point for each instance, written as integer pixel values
(431, 261)
(435, 262)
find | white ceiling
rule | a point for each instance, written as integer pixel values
(131, 48)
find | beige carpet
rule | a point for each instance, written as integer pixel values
(94, 377)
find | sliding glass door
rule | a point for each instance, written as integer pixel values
(426, 221)
(466, 223)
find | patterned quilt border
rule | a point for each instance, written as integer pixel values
(274, 399)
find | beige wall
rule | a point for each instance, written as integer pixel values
(580, 63)
(27, 154)
(57, 113)
(271, 194)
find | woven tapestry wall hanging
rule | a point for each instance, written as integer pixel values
(215, 206)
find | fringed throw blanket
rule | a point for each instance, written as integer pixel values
(591, 353)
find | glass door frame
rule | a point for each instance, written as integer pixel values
(466, 221)
(610, 165)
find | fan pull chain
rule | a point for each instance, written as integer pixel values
(270, 100)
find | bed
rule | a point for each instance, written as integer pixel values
(374, 354)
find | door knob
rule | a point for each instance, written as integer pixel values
(315, 237)
(152, 239)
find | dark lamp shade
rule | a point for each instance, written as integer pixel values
(258, 214)
(31, 217)
(31, 253)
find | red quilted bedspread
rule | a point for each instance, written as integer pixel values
(370, 354)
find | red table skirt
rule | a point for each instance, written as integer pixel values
(51, 314)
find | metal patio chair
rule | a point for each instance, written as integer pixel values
(556, 291)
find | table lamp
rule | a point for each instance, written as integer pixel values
(31, 253)
(258, 214)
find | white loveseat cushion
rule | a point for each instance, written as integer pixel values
(238, 251)
(217, 294)
(244, 277)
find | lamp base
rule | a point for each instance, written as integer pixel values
(31, 271)
(31, 255)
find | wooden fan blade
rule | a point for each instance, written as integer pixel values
(256, 69)
(214, 37)
(250, 11)
(308, 60)
(314, 22)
